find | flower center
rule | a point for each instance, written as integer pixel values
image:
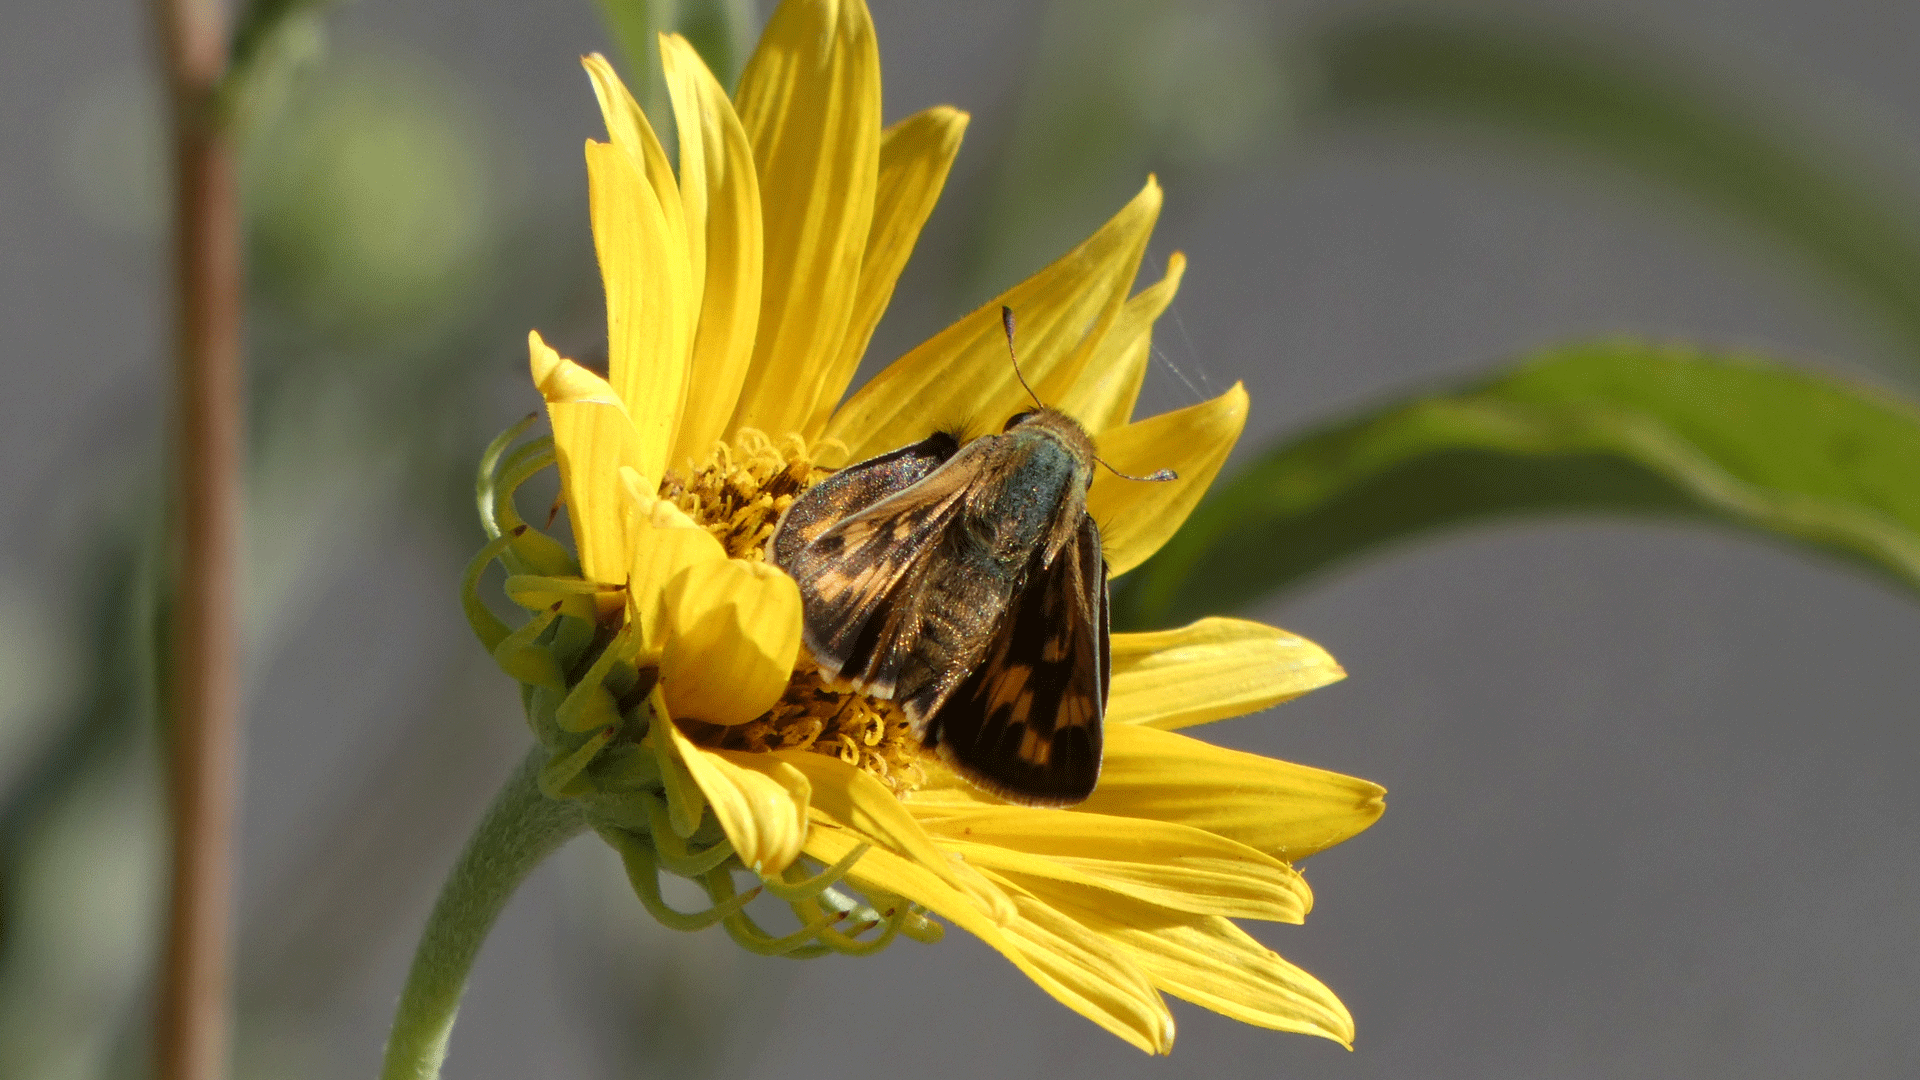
(738, 495)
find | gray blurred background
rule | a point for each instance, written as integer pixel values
(1651, 809)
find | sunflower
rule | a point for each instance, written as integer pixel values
(662, 667)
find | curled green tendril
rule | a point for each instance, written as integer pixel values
(590, 704)
(643, 873)
(811, 887)
(486, 625)
(520, 655)
(532, 551)
(740, 926)
(674, 853)
(483, 484)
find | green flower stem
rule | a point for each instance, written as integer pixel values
(520, 829)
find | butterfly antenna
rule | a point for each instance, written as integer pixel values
(1156, 476)
(1006, 320)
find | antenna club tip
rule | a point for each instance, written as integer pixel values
(1006, 320)
(1160, 475)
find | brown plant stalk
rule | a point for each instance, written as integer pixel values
(203, 656)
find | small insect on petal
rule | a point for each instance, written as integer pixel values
(732, 633)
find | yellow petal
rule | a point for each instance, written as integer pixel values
(1216, 965)
(881, 871)
(760, 803)
(643, 266)
(663, 541)
(1209, 670)
(629, 129)
(733, 630)
(851, 799)
(915, 155)
(1209, 961)
(1100, 980)
(686, 803)
(1172, 866)
(721, 199)
(592, 438)
(1107, 391)
(1073, 980)
(1137, 516)
(1063, 312)
(944, 792)
(810, 103)
(1288, 811)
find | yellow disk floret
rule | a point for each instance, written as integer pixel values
(738, 495)
(740, 491)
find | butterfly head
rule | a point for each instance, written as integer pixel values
(1064, 427)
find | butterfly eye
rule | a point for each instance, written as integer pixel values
(1017, 417)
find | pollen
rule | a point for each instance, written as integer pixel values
(743, 487)
(869, 733)
(738, 495)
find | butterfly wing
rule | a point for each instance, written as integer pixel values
(853, 489)
(861, 575)
(1024, 723)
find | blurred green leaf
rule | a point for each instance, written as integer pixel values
(720, 30)
(261, 21)
(273, 40)
(633, 24)
(1117, 89)
(1607, 428)
(374, 200)
(82, 844)
(1639, 110)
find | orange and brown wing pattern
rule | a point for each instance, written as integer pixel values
(855, 488)
(859, 550)
(1025, 721)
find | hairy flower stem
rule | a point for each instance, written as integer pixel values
(520, 829)
(204, 652)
